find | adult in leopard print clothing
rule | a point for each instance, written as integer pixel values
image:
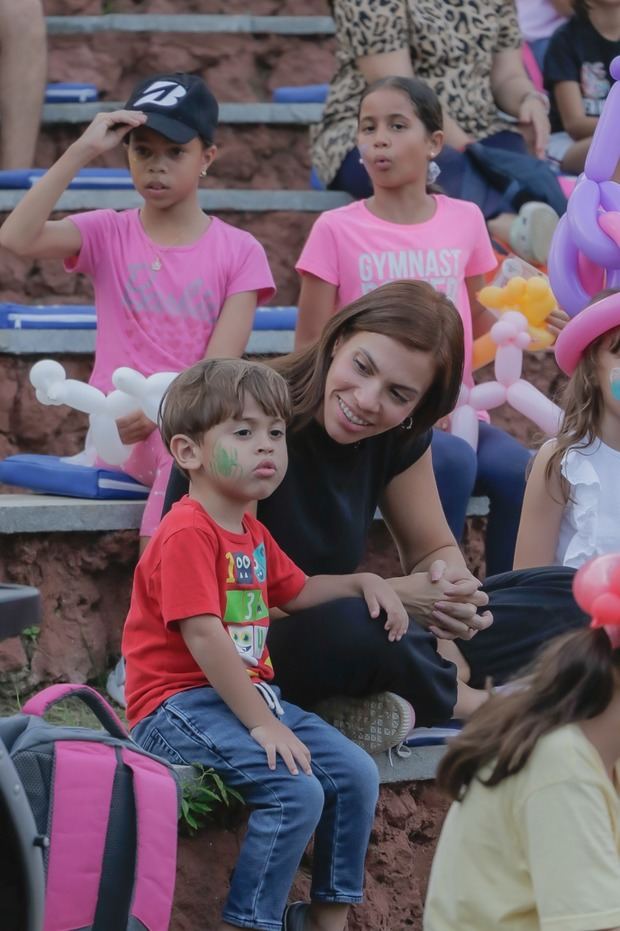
(468, 51)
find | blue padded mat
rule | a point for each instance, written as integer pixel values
(86, 178)
(47, 317)
(53, 475)
(305, 93)
(68, 92)
(82, 317)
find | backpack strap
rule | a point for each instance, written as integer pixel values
(39, 704)
(155, 794)
(82, 794)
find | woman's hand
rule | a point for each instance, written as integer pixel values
(534, 113)
(133, 428)
(380, 596)
(107, 130)
(445, 600)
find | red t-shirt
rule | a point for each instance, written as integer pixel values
(193, 566)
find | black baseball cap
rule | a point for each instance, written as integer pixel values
(179, 106)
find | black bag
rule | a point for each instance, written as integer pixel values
(520, 177)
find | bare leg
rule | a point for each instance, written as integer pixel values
(574, 161)
(326, 916)
(23, 69)
(499, 226)
(468, 700)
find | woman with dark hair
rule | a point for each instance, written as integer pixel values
(532, 840)
(470, 54)
(365, 396)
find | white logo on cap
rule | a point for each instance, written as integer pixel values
(162, 93)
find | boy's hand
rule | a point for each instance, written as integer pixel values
(108, 129)
(277, 738)
(380, 596)
(135, 427)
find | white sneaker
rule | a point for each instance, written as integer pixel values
(532, 231)
(375, 722)
(115, 684)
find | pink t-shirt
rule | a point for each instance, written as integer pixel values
(160, 319)
(353, 249)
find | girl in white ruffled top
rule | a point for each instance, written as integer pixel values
(571, 509)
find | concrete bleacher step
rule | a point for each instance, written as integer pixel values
(269, 114)
(241, 200)
(34, 513)
(420, 766)
(192, 23)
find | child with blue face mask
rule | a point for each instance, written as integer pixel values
(571, 510)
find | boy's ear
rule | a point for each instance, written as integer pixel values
(186, 452)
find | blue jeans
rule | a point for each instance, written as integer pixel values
(497, 470)
(336, 803)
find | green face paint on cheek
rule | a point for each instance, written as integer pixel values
(224, 462)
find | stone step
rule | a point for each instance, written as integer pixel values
(210, 199)
(82, 342)
(203, 24)
(270, 114)
(34, 513)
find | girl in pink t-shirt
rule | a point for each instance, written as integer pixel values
(406, 231)
(172, 284)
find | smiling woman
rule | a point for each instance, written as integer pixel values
(365, 396)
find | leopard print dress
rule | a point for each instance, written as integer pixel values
(452, 44)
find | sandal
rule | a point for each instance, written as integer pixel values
(532, 231)
(295, 916)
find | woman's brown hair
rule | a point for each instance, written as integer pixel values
(572, 680)
(582, 401)
(410, 312)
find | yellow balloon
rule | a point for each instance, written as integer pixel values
(491, 296)
(514, 290)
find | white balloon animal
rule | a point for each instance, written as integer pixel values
(511, 335)
(146, 392)
(53, 387)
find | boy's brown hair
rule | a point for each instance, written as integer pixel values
(213, 390)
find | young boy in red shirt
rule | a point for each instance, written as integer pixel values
(198, 668)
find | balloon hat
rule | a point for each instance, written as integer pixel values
(596, 588)
(585, 250)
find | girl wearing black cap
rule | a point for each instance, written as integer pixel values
(172, 284)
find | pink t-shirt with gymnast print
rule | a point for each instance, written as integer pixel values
(353, 249)
(157, 306)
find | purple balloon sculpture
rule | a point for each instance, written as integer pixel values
(589, 233)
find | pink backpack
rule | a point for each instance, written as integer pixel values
(104, 819)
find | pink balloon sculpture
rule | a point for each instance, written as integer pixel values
(511, 336)
(585, 252)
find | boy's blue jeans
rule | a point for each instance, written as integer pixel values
(336, 803)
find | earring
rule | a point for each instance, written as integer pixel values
(433, 171)
(361, 160)
(407, 424)
(203, 173)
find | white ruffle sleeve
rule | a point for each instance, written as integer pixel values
(582, 510)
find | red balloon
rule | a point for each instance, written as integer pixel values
(595, 578)
(606, 609)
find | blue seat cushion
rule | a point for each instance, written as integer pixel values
(86, 178)
(70, 92)
(82, 317)
(47, 317)
(55, 476)
(304, 93)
